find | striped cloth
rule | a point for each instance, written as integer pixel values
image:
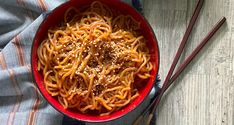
(20, 101)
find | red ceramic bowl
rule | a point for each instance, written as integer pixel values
(56, 16)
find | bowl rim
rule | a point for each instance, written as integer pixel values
(111, 118)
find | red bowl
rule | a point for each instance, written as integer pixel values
(55, 17)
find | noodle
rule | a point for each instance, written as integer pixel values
(91, 61)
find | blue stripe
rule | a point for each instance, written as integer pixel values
(137, 5)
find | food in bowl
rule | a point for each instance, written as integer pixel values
(95, 60)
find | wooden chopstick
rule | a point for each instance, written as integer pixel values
(196, 50)
(187, 61)
(176, 59)
(184, 41)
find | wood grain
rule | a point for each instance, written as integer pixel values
(204, 93)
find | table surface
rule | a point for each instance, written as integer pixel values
(204, 93)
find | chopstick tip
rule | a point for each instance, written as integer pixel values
(224, 18)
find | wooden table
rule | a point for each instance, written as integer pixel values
(204, 93)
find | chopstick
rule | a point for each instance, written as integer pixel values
(183, 43)
(186, 62)
(181, 68)
(196, 50)
(176, 59)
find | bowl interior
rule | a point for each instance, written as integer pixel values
(55, 17)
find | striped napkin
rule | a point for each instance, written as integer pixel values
(20, 101)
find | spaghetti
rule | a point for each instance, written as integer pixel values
(91, 61)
